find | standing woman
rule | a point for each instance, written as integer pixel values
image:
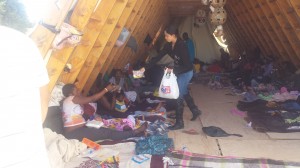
(183, 69)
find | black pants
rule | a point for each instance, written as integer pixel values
(98, 134)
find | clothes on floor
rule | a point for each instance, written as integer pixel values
(98, 134)
(154, 145)
(120, 123)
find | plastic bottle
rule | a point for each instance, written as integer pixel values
(88, 152)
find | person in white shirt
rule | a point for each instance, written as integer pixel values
(23, 101)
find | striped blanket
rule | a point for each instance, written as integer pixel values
(184, 159)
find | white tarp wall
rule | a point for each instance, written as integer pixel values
(206, 47)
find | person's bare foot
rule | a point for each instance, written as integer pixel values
(141, 130)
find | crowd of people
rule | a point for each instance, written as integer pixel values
(121, 95)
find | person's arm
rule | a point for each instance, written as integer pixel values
(161, 54)
(85, 100)
(113, 102)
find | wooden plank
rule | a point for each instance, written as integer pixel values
(91, 33)
(112, 56)
(127, 52)
(290, 14)
(243, 33)
(151, 29)
(263, 31)
(296, 6)
(234, 34)
(292, 41)
(163, 14)
(272, 28)
(141, 32)
(152, 19)
(146, 24)
(257, 32)
(54, 16)
(245, 18)
(236, 42)
(101, 42)
(138, 19)
(112, 40)
(235, 31)
(279, 47)
(58, 59)
(247, 28)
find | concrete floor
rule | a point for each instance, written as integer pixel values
(216, 105)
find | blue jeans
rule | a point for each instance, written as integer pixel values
(183, 81)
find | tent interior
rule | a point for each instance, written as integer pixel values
(83, 42)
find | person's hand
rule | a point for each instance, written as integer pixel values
(111, 87)
(169, 70)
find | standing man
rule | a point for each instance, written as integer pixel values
(190, 44)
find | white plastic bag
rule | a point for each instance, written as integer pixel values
(168, 87)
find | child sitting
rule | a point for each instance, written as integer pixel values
(120, 102)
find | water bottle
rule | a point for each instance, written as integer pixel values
(88, 152)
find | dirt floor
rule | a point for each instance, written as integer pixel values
(215, 106)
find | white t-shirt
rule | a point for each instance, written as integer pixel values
(72, 113)
(22, 73)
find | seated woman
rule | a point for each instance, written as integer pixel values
(74, 123)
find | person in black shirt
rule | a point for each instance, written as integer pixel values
(183, 69)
